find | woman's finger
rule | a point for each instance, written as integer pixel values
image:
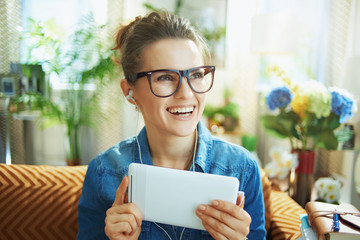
(121, 192)
(129, 208)
(114, 231)
(216, 235)
(217, 219)
(117, 218)
(229, 208)
(229, 220)
(217, 229)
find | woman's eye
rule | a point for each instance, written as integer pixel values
(165, 78)
(197, 75)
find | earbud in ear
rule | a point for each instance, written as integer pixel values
(130, 97)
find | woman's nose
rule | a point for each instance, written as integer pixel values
(185, 90)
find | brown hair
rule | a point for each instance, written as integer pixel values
(143, 31)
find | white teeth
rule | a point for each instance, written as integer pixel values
(184, 115)
(181, 110)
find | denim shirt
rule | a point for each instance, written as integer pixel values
(214, 156)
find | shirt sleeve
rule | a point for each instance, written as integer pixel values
(91, 210)
(254, 203)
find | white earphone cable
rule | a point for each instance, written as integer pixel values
(182, 232)
(137, 140)
(194, 154)
(163, 230)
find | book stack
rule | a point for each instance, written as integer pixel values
(329, 221)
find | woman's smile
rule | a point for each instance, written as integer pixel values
(184, 111)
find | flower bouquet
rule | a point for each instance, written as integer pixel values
(310, 115)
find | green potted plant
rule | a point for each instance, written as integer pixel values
(84, 61)
(226, 115)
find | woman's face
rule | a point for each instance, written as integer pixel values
(178, 114)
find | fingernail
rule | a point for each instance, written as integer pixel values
(199, 213)
(215, 203)
(201, 207)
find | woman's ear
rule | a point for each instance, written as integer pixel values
(127, 91)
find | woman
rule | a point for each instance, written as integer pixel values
(164, 62)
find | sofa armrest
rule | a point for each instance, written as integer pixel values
(39, 202)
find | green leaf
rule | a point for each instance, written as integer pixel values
(344, 134)
(231, 109)
(290, 115)
(333, 121)
(326, 139)
(276, 126)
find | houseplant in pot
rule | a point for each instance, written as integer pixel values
(226, 116)
(84, 66)
(310, 116)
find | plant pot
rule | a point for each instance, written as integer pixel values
(72, 148)
(303, 180)
(73, 162)
(230, 123)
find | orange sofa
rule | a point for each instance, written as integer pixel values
(40, 202)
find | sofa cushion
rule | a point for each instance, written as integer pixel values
(282, 219)
(285, 220)
(39, 202)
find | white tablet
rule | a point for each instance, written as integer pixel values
(172, 196)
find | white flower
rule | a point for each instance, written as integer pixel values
(332, 196)
(282, 173)
(275, 153)
(290, 159)
(270, 169)
(328, 189)
(320, 187)
(281, 163)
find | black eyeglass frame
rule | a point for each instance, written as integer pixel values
(181, 73)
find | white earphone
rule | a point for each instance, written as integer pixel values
(130, 97)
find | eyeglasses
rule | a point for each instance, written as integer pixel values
(166, 82)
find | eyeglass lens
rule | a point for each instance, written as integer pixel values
(165, 83)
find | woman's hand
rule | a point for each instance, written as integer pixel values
(123, 220)
(224, 220)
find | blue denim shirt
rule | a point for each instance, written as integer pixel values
(214, 156)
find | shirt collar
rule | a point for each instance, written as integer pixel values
(142, 148)
(204, 146)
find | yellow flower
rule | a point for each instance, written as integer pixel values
(300, 104)
(287, 81)
(295, 89)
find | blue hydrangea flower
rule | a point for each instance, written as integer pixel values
(278, 98)
(342, 106)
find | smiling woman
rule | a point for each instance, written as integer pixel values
(167, 77)
(170, 54)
